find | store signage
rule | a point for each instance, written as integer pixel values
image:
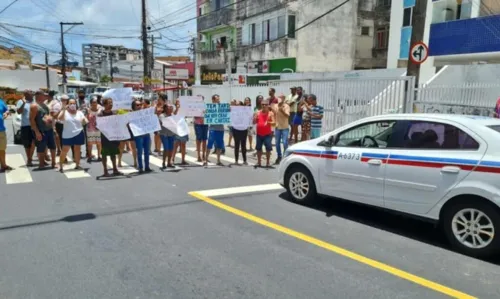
(212, 77)
(176, 74)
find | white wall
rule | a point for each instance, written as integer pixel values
(28, 79)
(364, 43)
(328, 44)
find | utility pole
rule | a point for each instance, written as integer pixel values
(417, 35)
(111, 66)
(145, 49)
(229, 71)
(163, 76)
(47, 70)
(151, 56)
(63, 53)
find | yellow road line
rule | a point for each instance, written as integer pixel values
(341, 251)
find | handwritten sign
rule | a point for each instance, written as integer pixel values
(143, 122)
(122, 97)
(191, 106)
(176, 124)
(217, 114)
(114, 127)
(241, 117)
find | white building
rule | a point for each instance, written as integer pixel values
(273, 36)
(455, 34)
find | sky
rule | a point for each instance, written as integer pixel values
(109, 22)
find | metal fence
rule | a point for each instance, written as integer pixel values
(343, 100)
(470, 99)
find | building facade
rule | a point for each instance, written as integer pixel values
(274, 36)
(15, 55)
(456, 32)
(94, 55)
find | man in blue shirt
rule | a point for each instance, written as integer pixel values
(316, 114)
(4, 113)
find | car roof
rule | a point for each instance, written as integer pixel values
(466, 120)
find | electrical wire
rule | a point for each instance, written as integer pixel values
(8, 5)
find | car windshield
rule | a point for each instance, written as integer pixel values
(379, 132)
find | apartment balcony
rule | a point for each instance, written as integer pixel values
(211, 57)
(477, 36)
(219, 18)
(269, 50)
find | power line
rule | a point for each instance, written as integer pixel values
(9, 5)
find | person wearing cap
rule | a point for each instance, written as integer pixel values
(23, 108)
(4, 113)
(41, 124)
(297, 118)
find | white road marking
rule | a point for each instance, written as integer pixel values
(194, 160)
(125, 169)
(222, 157)
(70, 172)
(240, 190)
(21, 173)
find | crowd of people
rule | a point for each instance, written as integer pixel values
(53, 127)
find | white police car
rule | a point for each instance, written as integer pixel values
(441, 167)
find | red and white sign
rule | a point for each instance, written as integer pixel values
(419, 53)
(176, 74)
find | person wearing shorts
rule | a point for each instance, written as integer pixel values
(215, 138)
(167, 138)
(108, 148)
(4, 113)
(264, 120)
(23, 108)
(201, 132)
(42, 124)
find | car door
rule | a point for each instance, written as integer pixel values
(357, 171)
(427, 162)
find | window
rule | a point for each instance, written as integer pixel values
(252, 34)
(266, 30)
(365, 30)
(382, 38)
(273, 32)
(496, 128)
(223, 42)
(281, 26)
(291, 26)
(386, 3)
(407, 16)
(375, 134)
(200, 12)
(432, 135)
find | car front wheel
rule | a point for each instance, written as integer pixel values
(471, 228)
(300, 185)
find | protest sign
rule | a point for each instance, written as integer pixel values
(122, 97)
(191, 106)
(114, 127)
(217, 114)
(241, 117)
(143, 122)
(176, 124)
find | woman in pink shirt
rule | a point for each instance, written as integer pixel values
(264, 120)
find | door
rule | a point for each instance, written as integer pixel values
(357, 171)
(426, 163)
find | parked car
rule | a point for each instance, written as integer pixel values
(443, 168)
(16, 127)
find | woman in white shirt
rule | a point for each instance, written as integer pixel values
(72, 135)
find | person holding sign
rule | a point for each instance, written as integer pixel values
(216, 137)
(109, 148)
(201, 132)
(240, 134)
(264, 119)
(73, 134)
(142, 144)
(180, 141)
(127, 143)
(167, 138)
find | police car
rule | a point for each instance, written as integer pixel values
(445, 168)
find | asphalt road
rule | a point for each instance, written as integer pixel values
(145, 237)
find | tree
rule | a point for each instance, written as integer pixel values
(105, 79)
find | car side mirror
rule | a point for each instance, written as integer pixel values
(327, 142)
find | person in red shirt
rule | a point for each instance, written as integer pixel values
(264, 120)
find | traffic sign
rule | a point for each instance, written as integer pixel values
(419, 53)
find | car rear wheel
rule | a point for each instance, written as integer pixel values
(300, 185)
(471, 227)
